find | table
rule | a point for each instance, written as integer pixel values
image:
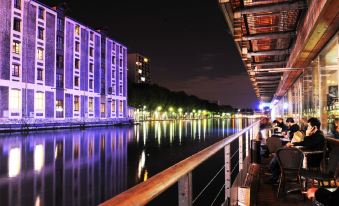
(306, 152)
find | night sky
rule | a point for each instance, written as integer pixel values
(187, 42)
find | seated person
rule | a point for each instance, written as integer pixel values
(324, 196)
(276, 129)
(292, 127)
(314, 140)
(281, 124)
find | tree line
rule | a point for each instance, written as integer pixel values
(153, 95)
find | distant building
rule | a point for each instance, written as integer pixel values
(139, 68)
(53, 67)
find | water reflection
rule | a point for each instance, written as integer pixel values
(63, 168)
(86, 167)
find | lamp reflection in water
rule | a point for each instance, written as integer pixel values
(14, 161)
(144, 131)
(141, 163)
(37, 201)
(180, 131)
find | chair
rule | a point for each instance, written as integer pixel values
(273, 144)
(290, 162)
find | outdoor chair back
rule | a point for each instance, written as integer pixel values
(290, 162)
(290, 158)
(273, 144)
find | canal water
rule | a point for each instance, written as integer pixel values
(87, 167)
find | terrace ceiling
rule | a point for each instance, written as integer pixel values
(264, 31)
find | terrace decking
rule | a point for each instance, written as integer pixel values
(267, 193)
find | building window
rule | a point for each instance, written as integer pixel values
(77, 46)
(41, 13)
(60, 61)
(120, 50)
(39, 101)
(17, 4)
(40, 74)
(60, 42)
(91, 36)
(120, 75)
(91, 66)
(76, 103)
(76, 81)
(120, 62)
(15, 70)
(91, 83)
(113, 74)
(113, 59)
(59, 106)
(14, 99)
(77, 30)
(120, 106)
(41, 33)
(60, 24)
(91, 52)
(59, 80)
(113, 105)
(90, 104)
(142, 79)
(77, 63)
(102, 108)
(40, 54)
(16, 47)
(120, 89)
(17, 25)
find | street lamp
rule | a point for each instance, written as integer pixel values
(159, 108)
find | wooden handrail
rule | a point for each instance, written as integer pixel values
(146, 191)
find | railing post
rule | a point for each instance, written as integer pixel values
(241, 152)
(247, 144)
(185, 190)
(227, 172)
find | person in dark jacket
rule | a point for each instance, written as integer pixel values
(314, 140)
(292, 127)
(281, 124)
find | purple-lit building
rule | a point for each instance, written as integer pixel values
(53, 67)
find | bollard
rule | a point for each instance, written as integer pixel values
(255, 151)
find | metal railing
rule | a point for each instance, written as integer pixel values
(234, 151)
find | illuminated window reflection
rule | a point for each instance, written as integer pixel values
(38, 157)
(14, 162)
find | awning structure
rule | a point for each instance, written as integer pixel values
(276, 38)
